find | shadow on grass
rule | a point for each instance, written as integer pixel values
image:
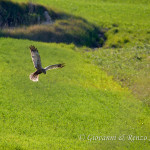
(27, 21)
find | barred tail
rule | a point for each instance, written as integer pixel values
(34, 77)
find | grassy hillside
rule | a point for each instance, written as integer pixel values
(127, 22)
(88, 104)
(127, 29)
(77, 100)
(128, 66)
(28, 21)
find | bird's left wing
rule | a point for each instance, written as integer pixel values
(35, 57)
(54, 66)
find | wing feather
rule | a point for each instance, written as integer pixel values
(54, 66)
(35, 57)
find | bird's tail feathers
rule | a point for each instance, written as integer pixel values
(34, 77)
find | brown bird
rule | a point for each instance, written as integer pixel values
(37, 64)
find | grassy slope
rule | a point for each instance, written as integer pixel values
(129, 15)
(66, 28)
(129, 25)
(128, 66)
(131, 18)
(78, 99)
(75, 100)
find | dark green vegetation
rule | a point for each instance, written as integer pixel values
(61, 28)
(71, 31)
(79, 99)
(14, 14)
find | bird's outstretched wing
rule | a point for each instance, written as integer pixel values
(54, 66)
(35, 57)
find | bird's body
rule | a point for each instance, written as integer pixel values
(37, 64)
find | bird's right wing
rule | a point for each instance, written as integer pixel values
(35, 57)
(54, 66)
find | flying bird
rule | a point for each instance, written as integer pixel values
(37, 64)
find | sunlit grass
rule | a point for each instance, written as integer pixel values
(78, 99)
(69, 105)
(130, 66)
(131, 17)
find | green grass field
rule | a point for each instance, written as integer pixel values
(77, 100)
(129, 18)
(99, 94)
(128, 66)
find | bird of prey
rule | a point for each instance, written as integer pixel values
(37, 64)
